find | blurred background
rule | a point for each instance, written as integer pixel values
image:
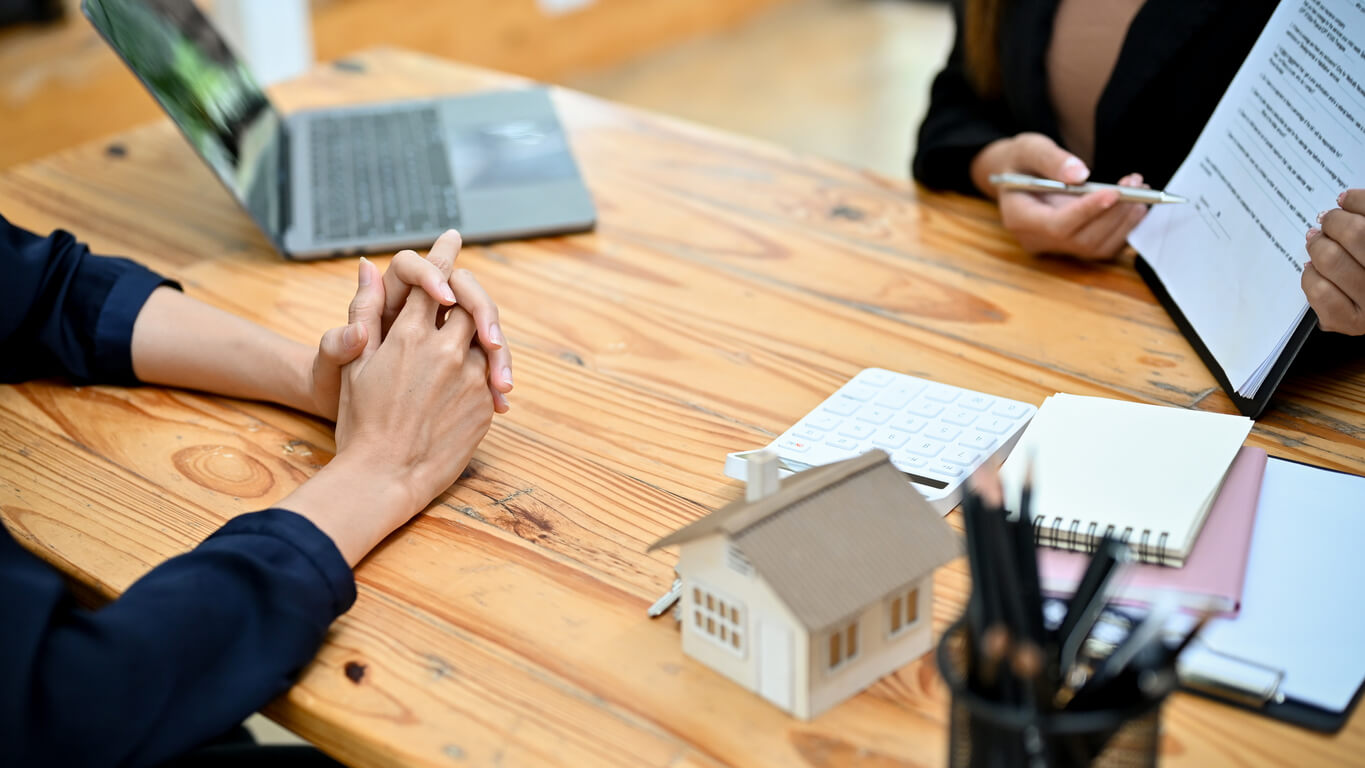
(844, 79)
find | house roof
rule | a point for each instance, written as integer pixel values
(834, 538)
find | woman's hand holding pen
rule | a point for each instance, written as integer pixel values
(1334, 278)
(1092, 226)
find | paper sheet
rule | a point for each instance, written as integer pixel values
(1301, 600)
(1287, 137)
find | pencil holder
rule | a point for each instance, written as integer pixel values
(991, 734)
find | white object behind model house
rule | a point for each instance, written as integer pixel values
(808, 592)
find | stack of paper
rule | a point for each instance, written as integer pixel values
(1283, 142)
(1216, 569)
(1144, 473)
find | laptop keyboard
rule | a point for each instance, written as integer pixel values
(380, 174)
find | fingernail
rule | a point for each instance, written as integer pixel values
(1341, 198)
(447, 294)
(1320, 215)
(495, 334)
(1111, 200)
(351, 336)
(1074, 169)
(507, 375)
(365, 276)
(1312, 233)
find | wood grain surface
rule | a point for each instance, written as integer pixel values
(729, 288)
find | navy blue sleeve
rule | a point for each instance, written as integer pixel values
(66, 312)
(188, 651)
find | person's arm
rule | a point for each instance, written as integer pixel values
(64, 312)
(96, 319)
(958, 125)
(188, 651)
(181, 342)
(210, 636)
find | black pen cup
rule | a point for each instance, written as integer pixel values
(983, 733)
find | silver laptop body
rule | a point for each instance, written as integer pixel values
(368, 178)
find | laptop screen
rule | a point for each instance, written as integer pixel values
(190, 70)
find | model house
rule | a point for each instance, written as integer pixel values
(810, 591)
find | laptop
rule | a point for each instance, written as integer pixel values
(370, 178)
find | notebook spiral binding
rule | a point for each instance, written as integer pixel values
(1150, 547)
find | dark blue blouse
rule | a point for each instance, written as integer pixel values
(202, 640)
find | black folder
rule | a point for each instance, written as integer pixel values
(1250, 407)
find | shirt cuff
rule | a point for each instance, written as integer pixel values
(309, 540)
(114, 328)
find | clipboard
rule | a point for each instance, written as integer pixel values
(1256, 685)
(1255, 688)
(1251, 407)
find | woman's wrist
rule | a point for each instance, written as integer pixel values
(354, 502)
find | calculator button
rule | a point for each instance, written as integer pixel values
(962, 456)
(996, 426)
(907, 462)
(1011, 410)
(792, 445)
(874, 414)
(908, 424)
(825, 421)
(895, 400)
(925, 447)
(960, 416)
(944, 470)
(977, 402)
(876, 378)
(858, 392)
(808, 433)
(843, 443)
(943, 432)
(841, 406)
(926, 409)
(978, 441)
(890, 439)
(942, 394)
(857, 430)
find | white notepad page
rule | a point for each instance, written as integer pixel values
(1301, 601)
(1130, 465)
(1287, 137)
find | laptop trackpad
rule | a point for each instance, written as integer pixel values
(513, 153)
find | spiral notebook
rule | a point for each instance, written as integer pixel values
(1216, 568)
(1147, 474)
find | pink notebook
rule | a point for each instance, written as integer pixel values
(1217, 563)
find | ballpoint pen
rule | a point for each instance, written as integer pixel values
(1026, 183)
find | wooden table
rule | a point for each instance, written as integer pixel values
(729, 288)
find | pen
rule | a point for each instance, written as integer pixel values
(1091, 596)
(1027, 183)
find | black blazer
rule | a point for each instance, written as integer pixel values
(1175, 63)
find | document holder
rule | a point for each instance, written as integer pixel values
(1251, 407)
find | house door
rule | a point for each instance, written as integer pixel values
(775, 663)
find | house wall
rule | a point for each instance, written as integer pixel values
(706, 562)
(879, 654)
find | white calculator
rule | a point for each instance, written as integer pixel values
(935, 433)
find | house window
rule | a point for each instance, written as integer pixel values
(719, 618)
(843, 644)
(903, 611)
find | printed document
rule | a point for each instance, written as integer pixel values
(1287, 137)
